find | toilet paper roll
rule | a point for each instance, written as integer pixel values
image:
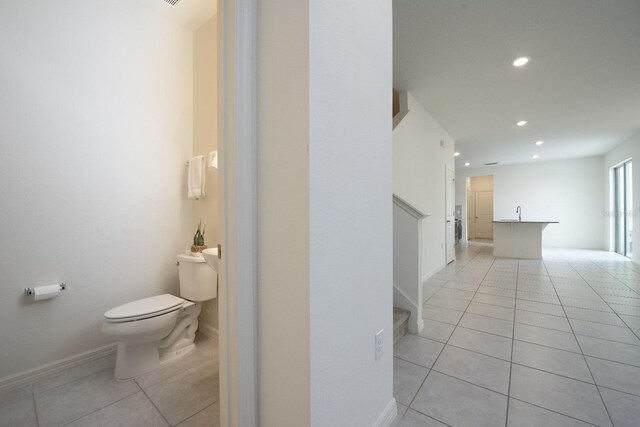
(46, 292)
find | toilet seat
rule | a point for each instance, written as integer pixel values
(144, 308)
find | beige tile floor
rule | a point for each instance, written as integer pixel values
(524, 343)
(182, 394)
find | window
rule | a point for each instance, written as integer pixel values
(623, 206)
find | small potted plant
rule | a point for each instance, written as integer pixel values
(198, 239)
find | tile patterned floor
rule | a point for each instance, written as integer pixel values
(183, 394)
(524, 343)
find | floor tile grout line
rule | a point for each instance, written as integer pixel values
(619, 391)
(412, 363)
(530, 342)
(443, 347)
(490, 333)
(496, 305)
(471, 383)
(101, 408)
(615, 312)
(34, 393)
(566, 332)
(513, 334)
(456, 326)
(583, 355)
(180, 372)
(478, 352)
(528, 367)
(70, 382)
(554, 373)
(615, 278)
(201, 410)
(551, 410)
(47, 390)
(155, 406)
(35, 407)
(609, 339)
(613, 361)
(426, 415)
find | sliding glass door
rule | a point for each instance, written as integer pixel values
(623, 202)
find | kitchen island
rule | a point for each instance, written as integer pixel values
(518, 239)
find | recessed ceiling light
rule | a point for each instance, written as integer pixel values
(535, 156)
(521, 123)
(457, 153)
(539, 142)
(467, 164)
(519, 62)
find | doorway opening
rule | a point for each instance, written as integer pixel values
(623, 208)
(480, 208)
(450, 215)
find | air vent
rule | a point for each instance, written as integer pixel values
(491, 164)
(172, 2)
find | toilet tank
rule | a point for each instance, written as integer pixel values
(198, 281)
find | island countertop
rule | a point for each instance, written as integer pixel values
(515, 221)
(518, 239)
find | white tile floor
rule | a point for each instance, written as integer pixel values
(524, 343)
(505, 343)
(182, 394)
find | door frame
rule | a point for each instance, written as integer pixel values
(449, 215)
(237, 189)
(476, 217)
(471, 214)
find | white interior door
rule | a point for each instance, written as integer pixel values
(471, 214)
(450, 235)
(484, 214)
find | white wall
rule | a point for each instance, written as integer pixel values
(205, 140)
(95, 127)
(419, 176)
(629, 149)
(569, 191)
(283, 215)
(324, 184)
(350, 189)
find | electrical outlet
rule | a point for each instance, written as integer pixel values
(379, 344)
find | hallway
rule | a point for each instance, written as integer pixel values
(524, 343)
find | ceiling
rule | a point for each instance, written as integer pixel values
(190, 14)
(580, 93)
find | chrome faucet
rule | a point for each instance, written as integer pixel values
(519, 212)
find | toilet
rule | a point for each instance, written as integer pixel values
(153, 331)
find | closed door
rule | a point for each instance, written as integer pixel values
(471, 216)
(449, 202)
(484, 214)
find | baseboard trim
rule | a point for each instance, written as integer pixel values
(432, 272)
(209, 331)
(388, 414)
(32, 375)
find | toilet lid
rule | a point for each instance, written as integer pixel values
(144, 308)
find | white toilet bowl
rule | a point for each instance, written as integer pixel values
(153, 331)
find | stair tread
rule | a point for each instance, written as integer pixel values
(400, 323)
(399, 316)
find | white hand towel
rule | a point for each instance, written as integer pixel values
(212, 160)
(195, 180)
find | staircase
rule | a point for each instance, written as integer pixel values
(400, 323)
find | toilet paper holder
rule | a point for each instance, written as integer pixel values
(29, 291)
